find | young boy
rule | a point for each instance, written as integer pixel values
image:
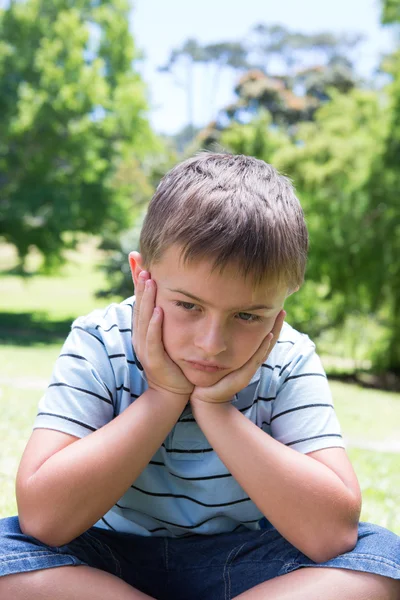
(187, 446)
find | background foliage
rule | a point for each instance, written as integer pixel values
(73, 109)
(77, 153)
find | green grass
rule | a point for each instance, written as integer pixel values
(36, 313)
(367, 414)
(35, 316)
(379, 477)
(18, 409)
(39, 310)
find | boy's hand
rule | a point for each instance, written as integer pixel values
(228, 386)
(162, 373)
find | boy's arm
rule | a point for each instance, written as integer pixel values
(315, 506)
(65, 484)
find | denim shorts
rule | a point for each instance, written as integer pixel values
(199, 567)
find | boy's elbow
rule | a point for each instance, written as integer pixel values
(340, 544)
(43, 531)
(32, 528)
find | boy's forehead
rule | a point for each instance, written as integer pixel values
(198, 277)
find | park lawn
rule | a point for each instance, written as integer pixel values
(35, 317)
(51, 300)
(367, 415)
(18, 408)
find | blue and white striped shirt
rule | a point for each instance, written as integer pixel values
(185, 489)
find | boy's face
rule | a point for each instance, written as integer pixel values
(211, 325)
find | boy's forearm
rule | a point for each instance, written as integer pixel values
(76, 486)
(304, 499)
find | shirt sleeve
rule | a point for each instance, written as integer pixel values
(303, 415)
(81, 394)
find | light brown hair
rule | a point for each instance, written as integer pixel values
(232, 209)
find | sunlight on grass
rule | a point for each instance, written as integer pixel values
(21, 363)
(379, 477)
(368, 414)
(18, 409)
(69, 294)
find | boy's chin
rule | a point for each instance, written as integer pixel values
(203, 379)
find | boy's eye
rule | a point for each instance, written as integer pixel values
(248, 317)
(185, 305)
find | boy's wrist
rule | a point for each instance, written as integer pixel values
(170, 395)
(199, 405)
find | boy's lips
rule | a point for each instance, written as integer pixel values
(202, 365)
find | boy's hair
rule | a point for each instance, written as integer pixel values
(232, 209)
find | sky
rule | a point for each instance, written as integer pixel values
(161, 25)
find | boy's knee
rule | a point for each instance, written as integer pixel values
(21, 586)
(41, 584)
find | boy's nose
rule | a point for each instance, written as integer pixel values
(211, 340)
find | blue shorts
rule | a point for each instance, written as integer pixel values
(196, 567)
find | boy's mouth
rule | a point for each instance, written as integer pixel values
(205, 366)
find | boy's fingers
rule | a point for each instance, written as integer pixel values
(276, 330)
(238, 380)
(154, 345)
(269, 341)
(138, 297)
(145, 311)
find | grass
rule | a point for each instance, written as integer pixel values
(38, 310)
(379, 477)
(18, 409)
(367, 414)
(35, 316)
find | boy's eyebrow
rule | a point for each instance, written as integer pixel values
(252, 307)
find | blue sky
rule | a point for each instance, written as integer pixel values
(160, 25)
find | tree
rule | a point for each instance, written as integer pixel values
(292, 50)
(71, 108)
(383, 186)
(331, 161)
(390, 12)
(189, 54)
(309, 67)
(145, 177)
(353, 219)
(217, 56)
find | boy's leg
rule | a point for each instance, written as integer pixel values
(371, 571)
(67, 583)
(89, 567)
(330, 584)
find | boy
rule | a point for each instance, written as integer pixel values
(187, 446)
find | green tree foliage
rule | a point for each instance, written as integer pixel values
(144, 176)
(383, 188)
(72, 107)
(312, 66)
(216, 56)
(330, 161)
(345, 167)
(390, 11)
(344, 159)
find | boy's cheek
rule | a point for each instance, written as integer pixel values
(170, 332)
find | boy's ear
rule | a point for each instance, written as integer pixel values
(136, 265)
(290, 292)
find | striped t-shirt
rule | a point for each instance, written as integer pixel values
(185, 489)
